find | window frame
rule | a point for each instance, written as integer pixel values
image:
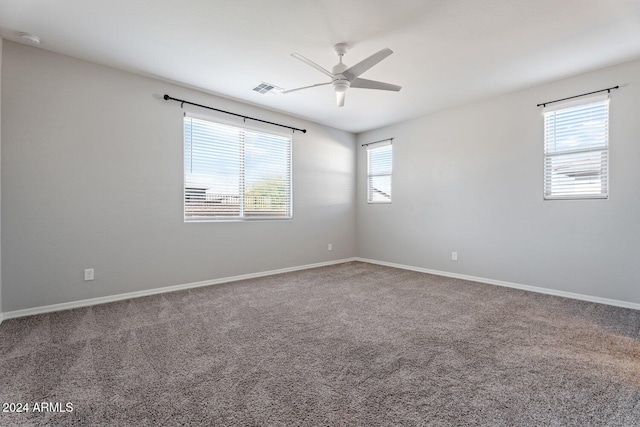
(572, 192)
(370, 175)
(242, 187)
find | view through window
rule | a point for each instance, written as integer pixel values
(379, 169)
(235, 173)
(576, 149)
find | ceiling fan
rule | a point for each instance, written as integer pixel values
(342, 78)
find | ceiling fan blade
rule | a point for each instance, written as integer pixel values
(372, 84)
(311, 63)
(352, 72)
(305, 87)
(340, 98)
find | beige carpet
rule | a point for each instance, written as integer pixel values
(351, 344)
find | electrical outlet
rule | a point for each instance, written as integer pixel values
(454, 256)
(330, 247)
(88, 274)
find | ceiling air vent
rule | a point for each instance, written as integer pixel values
(267, 88)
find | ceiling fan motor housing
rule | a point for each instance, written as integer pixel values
(340, 82)
(341, 85)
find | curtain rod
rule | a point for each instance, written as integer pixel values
(375, 142)
(609, 89)
(182, 102)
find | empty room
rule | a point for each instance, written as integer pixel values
(310, 213)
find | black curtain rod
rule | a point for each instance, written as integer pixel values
(609, 89)
(182, 101)
(375, 142)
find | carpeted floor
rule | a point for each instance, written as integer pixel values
(351, 344)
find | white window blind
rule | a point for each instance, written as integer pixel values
(576, 149)
(235, 173)
(379, 170)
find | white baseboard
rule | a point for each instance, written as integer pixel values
(137, 294)
(607, 301)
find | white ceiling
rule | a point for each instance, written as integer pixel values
(446, 52)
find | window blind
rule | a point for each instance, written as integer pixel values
(235, 173)
(576, 147)
(379, 170)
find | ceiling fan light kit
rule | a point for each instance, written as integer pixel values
(342, 78)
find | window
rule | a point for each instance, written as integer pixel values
(576, 149)
(379, 168)
(235, 173)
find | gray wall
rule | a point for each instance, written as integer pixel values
(470, 180)
(92, 178)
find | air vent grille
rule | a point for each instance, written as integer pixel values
(267, 88)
